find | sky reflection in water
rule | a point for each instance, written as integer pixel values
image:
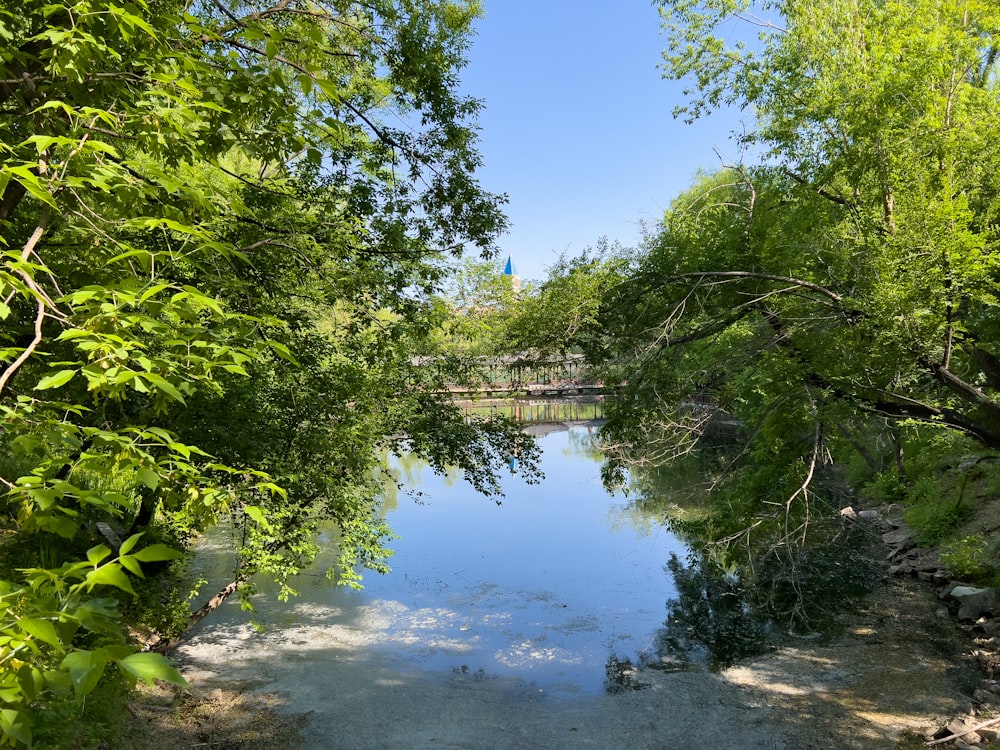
(544, 586)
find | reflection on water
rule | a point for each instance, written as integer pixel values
(544, 586)
(711, 623)
(541, 586)
(749, 580)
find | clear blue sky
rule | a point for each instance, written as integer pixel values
(577, 127)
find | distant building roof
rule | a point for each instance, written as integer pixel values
(509, 268)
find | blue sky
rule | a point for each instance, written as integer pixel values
(577, 127)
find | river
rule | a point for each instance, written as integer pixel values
(494, 629)
(543, 586)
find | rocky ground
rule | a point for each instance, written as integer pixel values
(905, 672)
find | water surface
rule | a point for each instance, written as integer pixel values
(542, 587)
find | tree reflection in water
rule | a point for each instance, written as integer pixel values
(746, 584)
(711, 623)
(724, 613)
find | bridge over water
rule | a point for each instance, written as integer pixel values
(528, 388)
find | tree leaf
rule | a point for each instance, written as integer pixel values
(149, 667)
(85, 669)
(43, 630)
(16, 724)
(129, 543)
(55, 380)
(157, 553)
(148, 477)
(98, 553)
(164, 385)
(110, 575)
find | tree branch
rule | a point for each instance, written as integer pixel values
(822, 192)
(823, 291)
(40, 298)
(958, 386)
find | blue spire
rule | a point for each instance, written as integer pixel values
(509, 269)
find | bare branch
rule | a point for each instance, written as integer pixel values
(763, 277)
(40, 300)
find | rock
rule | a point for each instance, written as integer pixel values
(974, 602)
(989, 734)
(945, 592)
(984, 697)
(900, 538)
(868, 515)
(959, 727)
(963, 745)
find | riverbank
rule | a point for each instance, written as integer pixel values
(897, 673)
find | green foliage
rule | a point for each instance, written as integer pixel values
(885, 489)
(840, 297)
(932, 512)
(223, 225)
(477, 310)
(969, 559)
(563, 311)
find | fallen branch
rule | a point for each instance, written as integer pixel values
(165, 644)
(964, 732)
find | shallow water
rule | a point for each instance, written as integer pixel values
(543, 587)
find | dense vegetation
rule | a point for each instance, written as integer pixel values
(222, 225)
(227, 229)
(836, 296)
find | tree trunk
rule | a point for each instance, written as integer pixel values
(163, 645)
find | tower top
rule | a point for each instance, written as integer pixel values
(509, 268)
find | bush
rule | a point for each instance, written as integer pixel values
(969, 559)
(932, 513)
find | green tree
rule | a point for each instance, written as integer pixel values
(844, 287)
(222, 223)
(563, 312)
(478, 307)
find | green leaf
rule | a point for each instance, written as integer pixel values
(31, 680)
(131, 565)
(331, 89)
(98, 553)
(30, 182)
(149, 667)
(161, 384)
(43, 630)
(16, 724)
(157, 553)
(55, 380)
(148, 477)
(282, 351)
(129, 543)
(257, 514)
(85, 669)
(152, 291)
(110, 575)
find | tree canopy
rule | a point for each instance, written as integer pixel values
(843, 288)
(222, 223)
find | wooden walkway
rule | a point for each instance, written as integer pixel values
(530, 390)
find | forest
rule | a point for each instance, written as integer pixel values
(231, 228)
